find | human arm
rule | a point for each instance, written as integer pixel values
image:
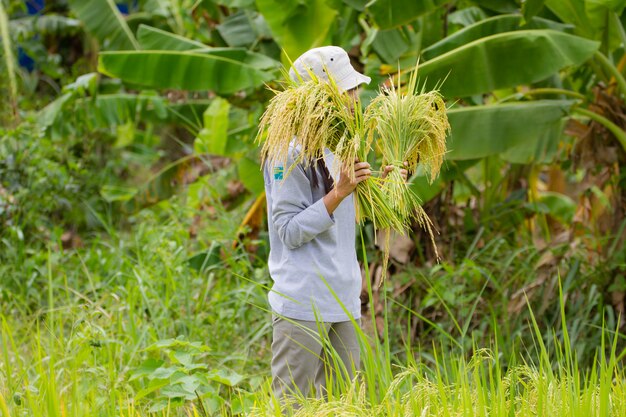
(345, 186)
(296, 217)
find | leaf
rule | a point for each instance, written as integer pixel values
(250, 175)
(357, 4)
(541, 148)
(178, 391)
(237, 30)
(103, 19)
(212, 138)
(177, 343)
(225, 377)
(425, 190)
(236, 3)
(205, 260)
(557, 205)
(572, 11)
(607, 29)
(160, 405)
(112, 193)
(8, 63)
(151, 38)
(86, 83)
(488, 27)
(393, 13)
(105, 110)
(505, 60)
(48, 24)
(467, 16)
(195, 71)
(481, 131)
(297, 25)
(50, 114)
(117, 109)
(390, 45)
(154, 386)
(126, 134)
(146, 368)
(500, 6)
(530, 8)
(184, 387)
(162, 372)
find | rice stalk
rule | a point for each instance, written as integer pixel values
(313, 115)
(300, 117)
(411, 128)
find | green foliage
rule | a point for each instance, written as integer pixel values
(48, 185)
(120, 290)
(103, 19)
(531, 56)
(212, 138)
(203, 70)
(296, 25)
(389, 13)
(184, 377)
(481, 131)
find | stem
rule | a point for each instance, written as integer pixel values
(619, 78)
(8, 58)
(539, 91)
(620, 28)
(619, 133)
(560, 91)
(123, 25)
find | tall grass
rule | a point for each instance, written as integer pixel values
(476, 385)
(78, 351)
(128, 301)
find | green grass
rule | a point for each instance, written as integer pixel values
(125, 327)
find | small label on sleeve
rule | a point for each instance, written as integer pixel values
(278, 173)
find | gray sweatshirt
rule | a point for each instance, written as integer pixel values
(306, 244)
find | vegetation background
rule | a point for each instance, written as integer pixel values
(133, 243)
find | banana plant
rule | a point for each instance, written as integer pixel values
(185, 64)
(499, 62)
(492, 56)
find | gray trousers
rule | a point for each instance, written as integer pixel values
(301, 358)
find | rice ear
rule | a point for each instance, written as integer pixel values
(314, 115)
(410, 126)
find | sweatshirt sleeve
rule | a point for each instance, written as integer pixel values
(296, 217)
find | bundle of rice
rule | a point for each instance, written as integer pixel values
(315, 115)
(411, 127)
(303, 116)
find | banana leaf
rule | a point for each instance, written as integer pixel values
(210, 69)
(516, 131)
(297, 25)
(393, 13)
(505, 60)
(488, 27)
(103, 19)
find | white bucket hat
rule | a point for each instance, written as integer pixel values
(332, 59)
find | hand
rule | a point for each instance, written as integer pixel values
(346, 185)
(403, 172)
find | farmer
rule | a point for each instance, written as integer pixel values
(312, 261)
